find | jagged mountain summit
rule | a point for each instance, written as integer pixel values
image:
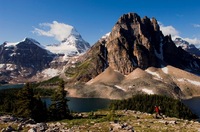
(142, 45)
(135, 43)
(191, 48)
(23, 59)
(73, 44)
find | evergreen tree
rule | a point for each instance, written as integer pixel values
(6, 101)
(39, 110)
(28, 106)
(59, 108)
(145, 103)
(25, 101)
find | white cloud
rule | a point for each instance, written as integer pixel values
(196, 25)
(166, 30)
(59, 31)
(194, 41)
(169, 30)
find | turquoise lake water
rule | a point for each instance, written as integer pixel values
(93, 104)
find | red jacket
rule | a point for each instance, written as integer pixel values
(156, 109)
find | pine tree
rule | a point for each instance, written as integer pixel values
(145, 103)
(39, 110)
(59, 108)
(28, 106)
(24, 102)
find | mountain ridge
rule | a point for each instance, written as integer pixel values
(191, 48)
(137, 43)
(135, 57)
(28, 60)
(134, 43)
(24, 58)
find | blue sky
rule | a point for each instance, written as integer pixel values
(94, 18)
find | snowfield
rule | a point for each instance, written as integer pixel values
(153, 73)
(50, 72)
(165, 70)
(190, 81)
(118, 87)
(147, 91)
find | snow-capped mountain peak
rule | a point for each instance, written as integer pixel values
(187, 46)
(30, 40)
(181, 42)
(73, 44)
(8, 44)
(74, 32)
(25, 40)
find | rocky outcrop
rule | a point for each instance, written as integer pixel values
(88, 65)
(117, 121)
(134, 42)
(138, 42)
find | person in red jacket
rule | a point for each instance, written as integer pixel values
(158, 112)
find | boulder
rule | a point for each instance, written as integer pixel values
(32, 130)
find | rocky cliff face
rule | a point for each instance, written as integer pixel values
(23, 59)
(135, 42)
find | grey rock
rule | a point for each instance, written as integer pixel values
(29, 121)
(41, 126)
(20, 126)
(7, 118)
(32, 130)
(9, 129)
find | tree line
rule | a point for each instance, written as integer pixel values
(27, 103)
(146, 103)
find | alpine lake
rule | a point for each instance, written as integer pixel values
(94, 104)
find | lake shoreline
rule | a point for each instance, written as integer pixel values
(187, 101)
(73, 92)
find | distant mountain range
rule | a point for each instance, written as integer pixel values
(29, 60)
(187, 46)
(135, 57)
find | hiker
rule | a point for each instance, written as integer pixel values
(158, 112)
